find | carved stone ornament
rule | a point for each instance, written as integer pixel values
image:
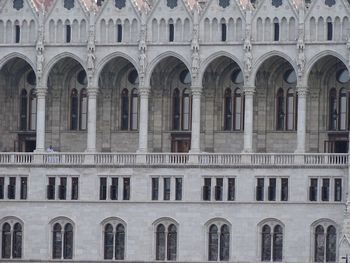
(120, 4)
(171, 3)
(276, 3)
(18, 4)
(329, 3)
(68, 4)
(224, 3)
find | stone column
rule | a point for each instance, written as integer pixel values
(143, 129)
(40, 119)
(91, 132)
(196, 119)
(248, 118)
(301, 129)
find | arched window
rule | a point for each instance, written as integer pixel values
(74, 109)
(176, 109)
(333, 114)
(290, 107)
(342, 109)
(186, 110)
(325, 243)
(280, 110)
(228, 110)
(134, 110)
(271, 242)
(114, 240)
(129, 109)
(218, 242)
(286, 109)
(166, 241)
(125, 109)
(32, 110)
(237, 109)
(23, 110)
(83, 109)
(11, 239)
(62, 240)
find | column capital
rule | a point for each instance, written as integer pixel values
(249, 90)
(196, 90)
(92, 92)
(144, 91)
(40, 92)
(302, 91)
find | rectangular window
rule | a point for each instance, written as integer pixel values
(18, 33)
(231, 189)
(119, 33)
(155, 188)
(2, 187)
(51, 189)
(103, 188)
(24, 187)
(171, 32)
(11, 192)
(75, 188)
(126, 190)
(284, 189)
(313, 189)
(325, 189)
(329, 30)
(167, 188)
(114, 189)
(68, 33)
(337, 190)
(223, 32)
(272, 189)
(260, 189)
(218, 189)
(62, 188)
(206, 189)
(178, 188)
(276, 31)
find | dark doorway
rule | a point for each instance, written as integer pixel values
(26, 143)
(180, 143)
(337, 143)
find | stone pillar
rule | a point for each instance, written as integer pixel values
(248, 119)
(301, 127)
(91, 132)
(196, 119)
(143, 129)
(40, 119)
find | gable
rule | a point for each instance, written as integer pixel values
(18, 10)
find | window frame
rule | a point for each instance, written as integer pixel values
(114, 222)
(63, 222)
(12, 221)
(271, 223)
(166, 222)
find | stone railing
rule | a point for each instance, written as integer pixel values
(174, 159)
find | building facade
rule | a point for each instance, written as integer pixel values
(172, 130)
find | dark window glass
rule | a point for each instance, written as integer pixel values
(171, 32)
(82, 78)
(75, 188)
(237, 110)
(171, 3)
(108, 242)
(186, 110)
(134, 110)
(223, 32)
(176, 109)
(68, 242)
(185, 77)
(160, 242)
(331, 244)
(17, 241)
(313, 189)
(18, 33)
(260, 189)
(114, 189)
(2, 187)
(178, 186)
(231, 189)
(18, 4)
(155, 188)
(68, 33)
(276, 32)
(57, 241)
(280, 110)
(228, 110)
(6, 241)
(51, 188)
(213, 242)
(277, 243)
(219, 189)
(119, 242)
(337, 190)
(23, 110)
(62, 189)
(329, 30)
(119, 33)
(32, 111)
(272, 189)
(224, 243)
(68, 4)
(74, 110)
(120, 3)
(171, 242)
(266, 243)
(126, 192)
(103, 188)
(319, 244)
(24, 187)
(325, 189)
(224, 3)
(125, 110)
(343, 76)
(333, 113)
(166, 188)
(83, 109)
(206, 189)
(133, 77)
(11, 190)
(284, 189)
(290, 76)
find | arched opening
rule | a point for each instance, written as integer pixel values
(329, 81)
(118, 119)
(18, 106)
(223, 98)
(171, 114)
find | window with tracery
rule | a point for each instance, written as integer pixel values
(11, 239)
(114, 240)
(62, 240)
(271, 242)
(129, 109)
(166, 241)
(325, 242)
(218, 242)
(79, 103)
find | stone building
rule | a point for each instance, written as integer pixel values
(174, 130)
